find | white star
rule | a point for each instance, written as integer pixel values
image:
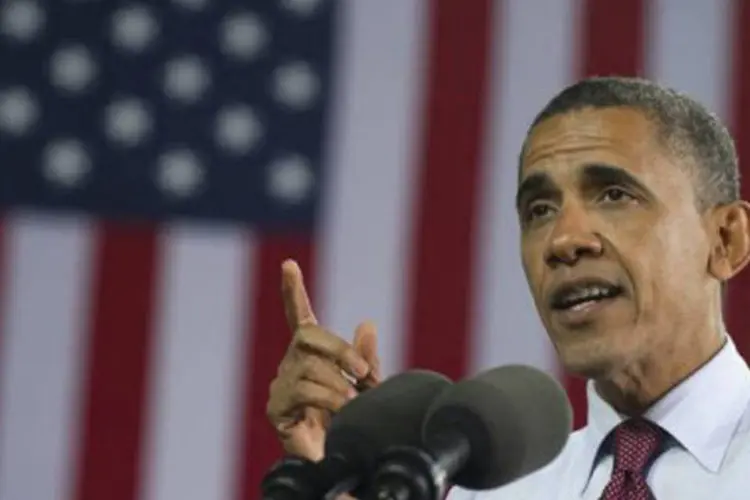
(66, 162)
(186, 78)
(127, 121)
(180, 173)
(134, 28)
(19, 111)
(301, 7)
(237, 129)
(295, 85)
(242, 36)
(21, 20)
(290, 179)
(72, 68)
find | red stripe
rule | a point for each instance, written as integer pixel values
(119, 343)
(738, 299)
(613, 39)
(612, 44)
(439, 327)
(267, 341)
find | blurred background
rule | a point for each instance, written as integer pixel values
(159, 160)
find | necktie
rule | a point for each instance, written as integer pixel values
(637, 442)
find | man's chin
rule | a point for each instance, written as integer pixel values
(592, 370)
(585, 360)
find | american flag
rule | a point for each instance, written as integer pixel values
(159, 160)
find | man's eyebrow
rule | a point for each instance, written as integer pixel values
(597, 174)
(533, 186)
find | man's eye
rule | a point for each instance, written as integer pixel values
(616, 194)
(537, 210)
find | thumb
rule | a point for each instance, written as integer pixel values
(366, 345)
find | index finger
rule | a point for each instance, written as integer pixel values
(297, 306)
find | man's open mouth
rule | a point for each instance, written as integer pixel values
(579, 293)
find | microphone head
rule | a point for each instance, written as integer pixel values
(389, 414)
(517, 420)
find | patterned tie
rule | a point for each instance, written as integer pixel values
(637, 443)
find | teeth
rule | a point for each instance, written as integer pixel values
(579, 306)
(586, 294)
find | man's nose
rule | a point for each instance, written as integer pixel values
(573, 238)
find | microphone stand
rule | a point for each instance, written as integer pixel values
(295, 478)
(292, 478)
(409, 473)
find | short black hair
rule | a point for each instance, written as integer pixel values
(685, 127)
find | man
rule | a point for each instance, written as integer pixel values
(631, 223)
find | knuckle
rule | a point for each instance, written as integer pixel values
(279, 383)
(272, 408)
(277, 388)
(305, 335)
(275, 405)
(302, 368)
(271, 412)
(309, 364)
(273, 388)
(287, 363)
(300, 390)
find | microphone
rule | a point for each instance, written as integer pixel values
(480, 433)
(389, 414)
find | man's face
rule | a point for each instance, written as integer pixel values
(613, 246)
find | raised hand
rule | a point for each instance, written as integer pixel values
(320, 372)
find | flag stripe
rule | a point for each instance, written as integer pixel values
(116, 376)
(739, 287)
(612, 38)
(43, 357)
(441, 271)
(265, 346)
(672, 29)
(364, 234)
(198, 361)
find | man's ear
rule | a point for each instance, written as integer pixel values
(730, 245)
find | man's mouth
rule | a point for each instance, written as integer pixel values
(581, 294)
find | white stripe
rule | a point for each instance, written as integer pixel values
(533, 59)
(197, 366)
(42, 355)
(364, 241)
(689, 42)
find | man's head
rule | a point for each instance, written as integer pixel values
(631, 221)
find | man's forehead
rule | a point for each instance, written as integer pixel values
(623, 134)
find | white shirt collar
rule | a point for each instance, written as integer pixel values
(701, 413)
